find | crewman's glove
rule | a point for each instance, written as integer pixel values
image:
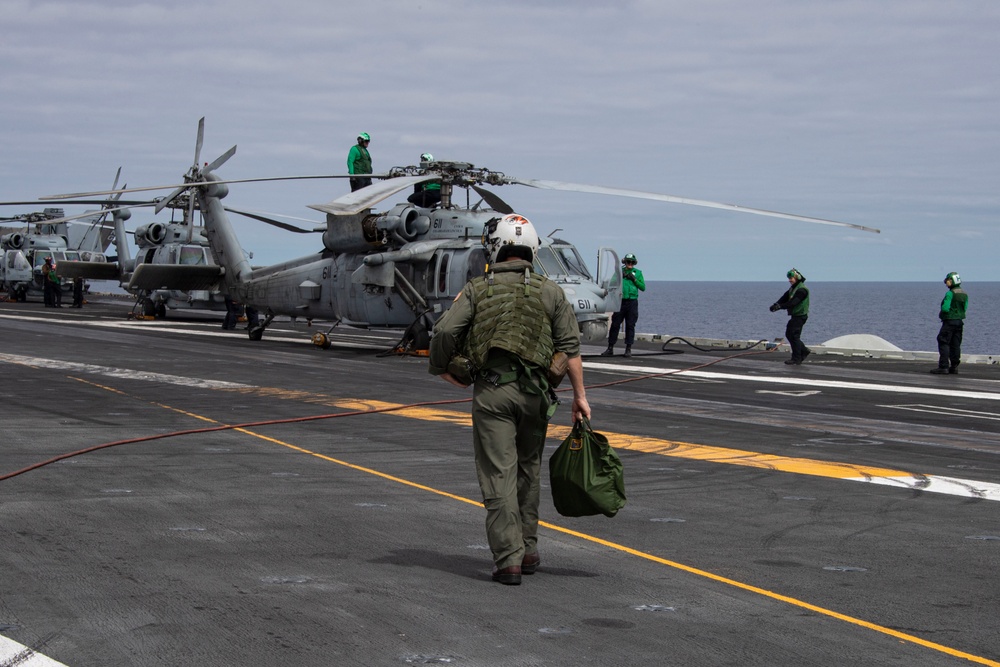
(775, 307)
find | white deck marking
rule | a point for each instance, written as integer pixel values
(14, 653)
(945, 410)
(174, 327)
(952, 486)
(123, 373)
(806, 382)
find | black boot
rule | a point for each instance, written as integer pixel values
(608, 352)
(628, 350)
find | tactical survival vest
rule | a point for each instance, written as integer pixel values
(362, 161)
(803, 307)
(510, 316)
(959, 304)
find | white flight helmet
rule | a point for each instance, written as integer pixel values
(507, 235)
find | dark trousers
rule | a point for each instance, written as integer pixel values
(358, 183)
(629, 313)
(950, 343)
(793, 334)
(425, 198)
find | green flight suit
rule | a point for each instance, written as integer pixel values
(508, 422)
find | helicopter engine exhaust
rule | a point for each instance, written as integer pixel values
(152, 234)
(405, 223)
(14, 241)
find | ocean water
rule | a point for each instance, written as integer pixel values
(903, 313)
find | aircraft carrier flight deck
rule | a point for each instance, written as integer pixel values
(176, 494)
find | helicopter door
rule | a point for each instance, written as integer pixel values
(609, 277)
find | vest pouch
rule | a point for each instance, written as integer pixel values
(460, 368)
(557, 369)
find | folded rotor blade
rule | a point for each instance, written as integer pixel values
(276, 223)
(365, 198)
(602, 190)
(497, 204)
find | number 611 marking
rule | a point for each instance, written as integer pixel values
(584, 304)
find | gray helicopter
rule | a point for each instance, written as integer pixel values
(173, 266)
(404, 267)
(41, 235)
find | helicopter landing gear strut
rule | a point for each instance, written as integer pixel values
(257, 332)
(416, 340)
(322, 338)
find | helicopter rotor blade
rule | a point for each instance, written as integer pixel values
(94, 202)
(97, 214)
(620, 192)
(365, 198)
(182, 186)
(219, 161)
(199, 140)
(162, 204)
(282, 225)
(497, 204)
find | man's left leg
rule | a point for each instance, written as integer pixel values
(495, 415)
(631, 308)
(530, 445)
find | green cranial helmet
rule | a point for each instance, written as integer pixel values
(794, 273)
(955, 279)
(630, 258)
(364, 137)
(426, 157)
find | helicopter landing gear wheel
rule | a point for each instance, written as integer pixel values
(160, 311)
(320, 339)
(256, 333)
(417, 337)
(148, 308)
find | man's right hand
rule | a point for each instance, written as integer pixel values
(452, 379)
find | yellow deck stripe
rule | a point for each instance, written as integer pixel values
(561, 432)
(676, 449)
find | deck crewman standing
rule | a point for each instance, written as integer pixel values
(505, 327)
(952, 315)
(796, 302)
(632, 284)
(359, 161)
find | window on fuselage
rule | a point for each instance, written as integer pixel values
(571, 258)
(547, 263)
(192, 255)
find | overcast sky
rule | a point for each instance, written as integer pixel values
(883, 114)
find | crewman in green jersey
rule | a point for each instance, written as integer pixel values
(952, 315)
(796, 302)
(359, 161)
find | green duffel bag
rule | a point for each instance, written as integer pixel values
(586, 474)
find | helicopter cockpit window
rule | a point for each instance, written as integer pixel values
(571, 258)
(547, 263)
(71, 256)
(191, 255)
(17, 261)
